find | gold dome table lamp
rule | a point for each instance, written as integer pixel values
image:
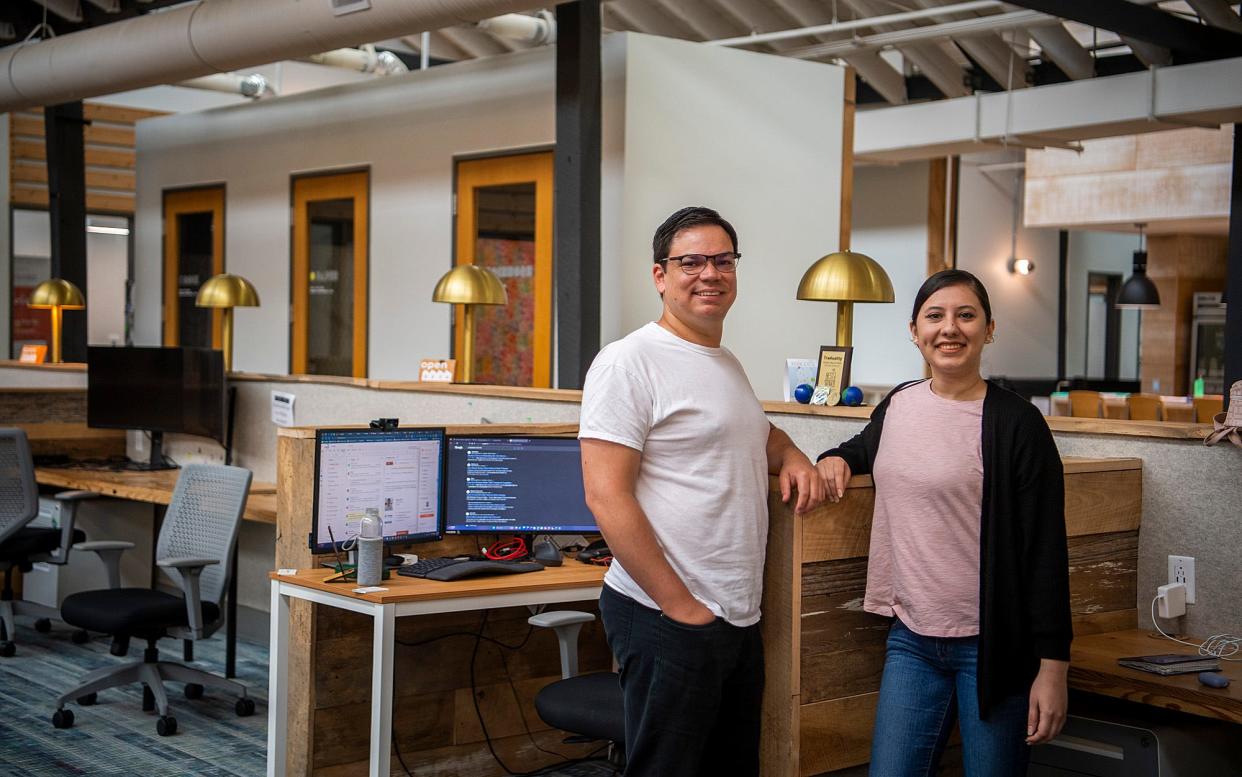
(226, 292)
(469, 285)
(56, 295)
(846, 277)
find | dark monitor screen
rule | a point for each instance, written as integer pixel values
(514, 484)
(156, 389)
(395, 475)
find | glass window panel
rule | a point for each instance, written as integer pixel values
(504, 345)
(194, 267)
(330, 319)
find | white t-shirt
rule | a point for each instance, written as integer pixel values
(703, 480)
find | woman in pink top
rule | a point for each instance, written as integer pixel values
(968, 552)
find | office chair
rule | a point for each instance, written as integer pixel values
(588, 706)
(21, 545)
(195, 548)
(1144, 407)
(1086, 404)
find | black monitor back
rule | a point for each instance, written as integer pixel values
(157, 389)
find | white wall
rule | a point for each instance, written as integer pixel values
(1023, 306)
(1105, 252)
(890, 226)
(759, 139)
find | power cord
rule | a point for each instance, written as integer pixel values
(1221, 646)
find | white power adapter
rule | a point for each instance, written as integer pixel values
(1171, 600)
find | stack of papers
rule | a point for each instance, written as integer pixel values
(1171, 663)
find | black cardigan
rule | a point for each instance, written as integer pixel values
(1024, 612)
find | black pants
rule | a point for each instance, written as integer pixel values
(692, 693)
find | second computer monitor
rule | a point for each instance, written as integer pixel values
(512, 484)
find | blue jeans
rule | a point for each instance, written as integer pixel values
(928, 684)
(692, 693)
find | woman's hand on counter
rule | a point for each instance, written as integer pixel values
(836, 475)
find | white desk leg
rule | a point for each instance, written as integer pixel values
(381, 688)
(278, 685)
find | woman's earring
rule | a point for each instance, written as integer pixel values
(991, 339)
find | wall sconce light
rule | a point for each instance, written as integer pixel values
(469, 285)
(1138, 292)
(226, 292)
(1021, 266)
(56, 295)
(846, 277)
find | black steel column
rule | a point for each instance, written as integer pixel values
(1233, 283)
(1062, 295)
(577, 189)
(66, 188)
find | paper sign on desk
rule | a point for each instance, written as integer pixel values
(33, 354)
(282, 408)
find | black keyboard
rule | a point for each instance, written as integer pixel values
(458, 569)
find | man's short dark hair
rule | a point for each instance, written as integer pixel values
(695, 216)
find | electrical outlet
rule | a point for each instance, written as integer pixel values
(1182, 570)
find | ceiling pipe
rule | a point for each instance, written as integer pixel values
(536, 30)
(858, 24)
(252, 85)
(364, 59)
(202, 38)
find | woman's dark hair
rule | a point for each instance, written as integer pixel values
(946, 278)
(695, 216)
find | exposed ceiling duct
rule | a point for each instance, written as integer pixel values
(252, 85)
(202, 38)
(364, 59)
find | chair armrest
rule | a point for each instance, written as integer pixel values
(567, 624)
(74, 496)
(186, 572)
(109, 552)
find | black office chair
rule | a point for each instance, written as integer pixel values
(587, 706)
(21, 545)
(195, 548)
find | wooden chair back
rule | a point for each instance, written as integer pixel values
(1086, 404)
(1144, 407)
(1206, 407)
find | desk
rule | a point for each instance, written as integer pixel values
(1093, 668)
(157, 488)
(404, 596)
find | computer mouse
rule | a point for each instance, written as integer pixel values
(1214, 679)
(548, 554)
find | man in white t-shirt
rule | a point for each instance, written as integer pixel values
(676, 452)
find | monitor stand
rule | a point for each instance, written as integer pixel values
(156, 462)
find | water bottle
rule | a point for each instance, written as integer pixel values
(370, 551)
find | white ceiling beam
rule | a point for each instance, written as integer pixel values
(831, 28)
(940, 69)
(705, 24)
(901, 38)
(472, 41)
(756, 18)
(1149, 53)
(107, 6)
(69, 10)
(988, 51)
(882, 76)
(1218, 13)
(642, 16)
(441, 48)
(1060, 48)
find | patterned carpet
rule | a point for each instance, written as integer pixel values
(115, 737)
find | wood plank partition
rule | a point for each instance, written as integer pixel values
(825, 655)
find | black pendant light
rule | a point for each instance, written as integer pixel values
(1139, 293)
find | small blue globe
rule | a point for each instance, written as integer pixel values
(803, 393)
(852, 396)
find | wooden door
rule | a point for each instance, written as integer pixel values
(193, 253)
(329, 284)
(504, 223)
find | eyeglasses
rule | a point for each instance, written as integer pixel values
(693, 264)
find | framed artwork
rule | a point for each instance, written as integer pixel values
(834, 368)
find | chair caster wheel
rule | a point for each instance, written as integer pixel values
(8, 649)
(43, 625)
(244, 707)
(62, 718)
(80, 637)
(193, 691)
(166, 725)
(89, 699)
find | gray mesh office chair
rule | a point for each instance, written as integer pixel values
(195, 548)
(21, 545)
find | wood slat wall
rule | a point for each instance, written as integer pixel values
(110, 158)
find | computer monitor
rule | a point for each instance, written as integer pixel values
(395, 475)
(515, 484)
(156, 390)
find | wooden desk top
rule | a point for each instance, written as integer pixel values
(572, 574)
(1093, 668)
(154, 487)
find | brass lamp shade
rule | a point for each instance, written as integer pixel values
(846, 277)
(469, 285)
(227, 291)
(56, 295)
